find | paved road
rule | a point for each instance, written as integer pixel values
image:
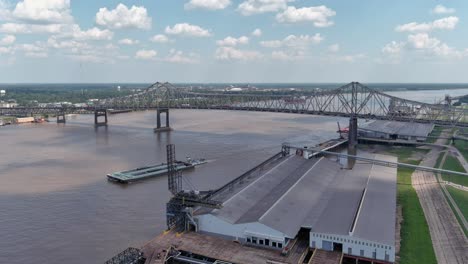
(449, 241)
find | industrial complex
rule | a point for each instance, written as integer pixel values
(334, 209)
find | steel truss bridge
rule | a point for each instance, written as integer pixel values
(351, 100)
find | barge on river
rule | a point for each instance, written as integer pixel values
(152, 171)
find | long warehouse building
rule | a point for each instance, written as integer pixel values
(350, 211)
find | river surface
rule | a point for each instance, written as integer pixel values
(56, 205)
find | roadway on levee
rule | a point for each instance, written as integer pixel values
(449, 241)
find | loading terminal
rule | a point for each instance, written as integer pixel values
(315, 200)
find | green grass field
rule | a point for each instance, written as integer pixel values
(462, 146)
(416, 243)
(452, 163)
(435, 133)
(461, 199)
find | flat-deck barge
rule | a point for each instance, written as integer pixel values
(151, 171)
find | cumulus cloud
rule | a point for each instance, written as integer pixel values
(37, 55)
(440, 9)
(7, 40)
(145, 54)
(231, 41)
(43, 11)
(16, 28)
(319, 15)
(177, 56)
(185, 29)
(446, 23)
(207, 4)
(127, 41)
(252, 7)
(123, 17)
(293, 41)
(423, 41)
(6, 50)
(91, 34)
(393, 47)
(160, 38)
(257, 32)
(334, 48)
(231, 53)
(432, 46)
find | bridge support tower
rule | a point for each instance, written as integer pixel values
(61, 118)
(352, 140)
(98, 113)
(160, 128)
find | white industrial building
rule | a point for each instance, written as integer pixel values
(350, 211)
(2, 92)
(395, 130)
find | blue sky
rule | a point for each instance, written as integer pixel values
(233, 41)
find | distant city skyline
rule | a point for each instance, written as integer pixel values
(233, 41)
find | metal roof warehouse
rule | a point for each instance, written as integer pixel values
(352, 211)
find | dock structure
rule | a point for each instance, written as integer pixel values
(212, 248)
(289, 207)
(151, 171)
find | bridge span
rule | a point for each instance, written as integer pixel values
(351, 100)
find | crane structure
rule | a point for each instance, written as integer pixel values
(179, 209)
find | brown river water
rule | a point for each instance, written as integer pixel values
(56, 205)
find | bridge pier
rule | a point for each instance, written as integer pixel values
(352, 140)
(160, 128)
(61, 118)
(98, 113)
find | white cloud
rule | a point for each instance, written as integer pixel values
(160, 38)
(319, 15)
(37, 55)
(177, 56)
(257, 32)
(7, 40)
(207, 4)
(271, 43)
(252, 7)
(434, 47)
(393, 48)
(446, 23)
(280, 55)
(91, 34)
(423, 41)
(73, 45)
(43, 11)
(127, 41)
(334, 48)
(6, 50)
(231, 53)
(293, 41)
(230, 41)
(185, 29)
(145, 54)
(350, 58)
(37, 47)
(15, 28)
(123, 17)
(440, 9)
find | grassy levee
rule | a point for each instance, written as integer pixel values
(452, 163)
(416, 243)
(435, 133)
(462, 146)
